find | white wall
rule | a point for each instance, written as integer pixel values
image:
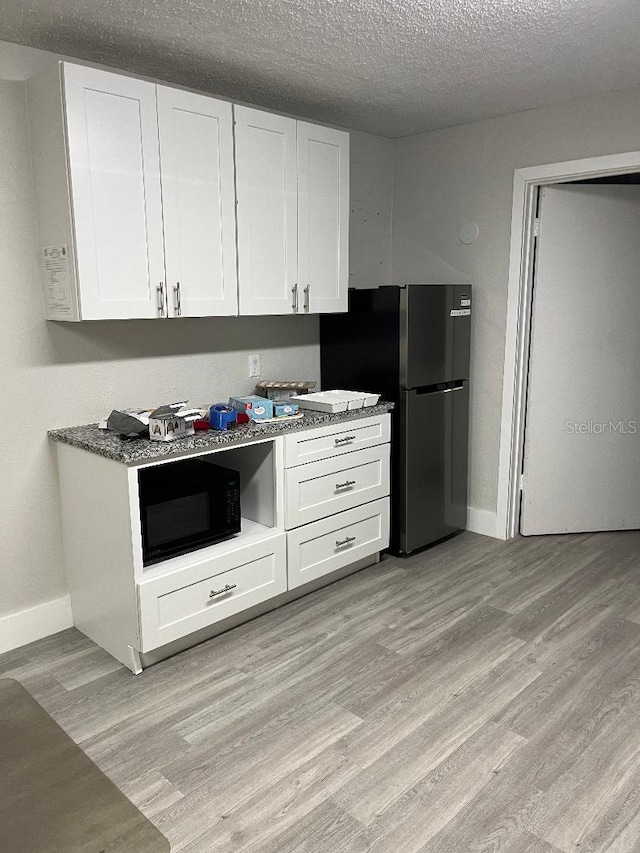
(445, 178)
(57, 374)
(371, 207)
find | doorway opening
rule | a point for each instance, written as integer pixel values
(527, 184)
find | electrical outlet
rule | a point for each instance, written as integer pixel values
(254, 365)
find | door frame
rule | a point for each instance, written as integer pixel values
(526, 183)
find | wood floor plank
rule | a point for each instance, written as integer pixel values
(466, 649)
(327, 829)
(508, 802)
(428, 806)
(354, 602)
(277, 738)
(578, 684)
(94, 707)
(628, 838)
(326, 667)
(499, 827)
(422, 623)
(592, 802)
(270, 810)
(480, 697)
(403, 765)
(599, 584)
(521, 842)
(151, 792)
(224, 774)
(78, 661)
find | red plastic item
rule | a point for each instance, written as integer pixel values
(201, 424)
(242, 418)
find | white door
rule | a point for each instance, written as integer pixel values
(582, 453)
(323, 218)
(267, 212)
(198, 198)
(114, 168)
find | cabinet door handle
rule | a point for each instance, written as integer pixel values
(160, 291)
(346, 485)
(294, 304)
(348, 541)
(222, 591)
(346, 440)
(177, 299)
(306, 298)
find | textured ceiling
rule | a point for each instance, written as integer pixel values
(393, 67)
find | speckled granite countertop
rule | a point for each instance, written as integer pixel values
(132, 450)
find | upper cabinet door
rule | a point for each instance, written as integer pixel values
(198, 197)
(267, 211)
(323, 218)
(112, 138)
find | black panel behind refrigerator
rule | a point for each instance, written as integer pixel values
(411, 344)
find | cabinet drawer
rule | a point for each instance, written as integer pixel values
(342, 437)
(323, 488)
(174, 605)
(324, 546)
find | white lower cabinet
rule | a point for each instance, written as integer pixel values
(337, 485)
(324, 546)
(300, 522)
(332, 485)
(342, 437)
(193, 598)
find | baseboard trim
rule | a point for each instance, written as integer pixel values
(482, 521)
(18, 629)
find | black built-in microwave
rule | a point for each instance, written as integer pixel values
(186, 505)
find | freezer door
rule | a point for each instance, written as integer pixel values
(432, 476)
(361, 349)
(435, 323)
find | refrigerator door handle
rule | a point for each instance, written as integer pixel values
(441, 387)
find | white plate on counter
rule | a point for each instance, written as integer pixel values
(336, 400)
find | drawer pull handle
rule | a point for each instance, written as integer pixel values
(346, 485)
(160, 292)
(341, 542)
(346, 440)
(222, 591)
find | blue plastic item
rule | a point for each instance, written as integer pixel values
(221, 415)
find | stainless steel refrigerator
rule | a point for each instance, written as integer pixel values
(411, 344)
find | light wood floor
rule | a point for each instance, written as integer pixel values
(483, 696)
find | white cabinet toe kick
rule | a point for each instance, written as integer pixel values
(315, 506)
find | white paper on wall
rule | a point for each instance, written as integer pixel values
(57, 280)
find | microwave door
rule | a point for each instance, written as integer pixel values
(186, 505)
(173, 523)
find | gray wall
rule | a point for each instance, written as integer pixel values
(371, 207)
(445, 178)
(57, 374)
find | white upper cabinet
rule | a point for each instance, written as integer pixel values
(266, 185)
(198, 199)
(135, 184)
(323, 218)
(293, 215)
(114, 176)
(145, 210)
